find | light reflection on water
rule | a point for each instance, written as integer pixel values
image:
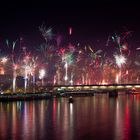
(97, 117)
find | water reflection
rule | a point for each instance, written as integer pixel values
(97, 117)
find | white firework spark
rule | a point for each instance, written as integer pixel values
(120, 60)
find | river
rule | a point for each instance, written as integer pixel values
(88, 118)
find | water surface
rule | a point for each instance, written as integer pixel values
(97, 117)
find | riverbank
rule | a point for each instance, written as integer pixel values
(24, 96)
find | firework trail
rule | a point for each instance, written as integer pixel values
(42, 73)
(46, 33)
(13, 64)
(70, 30)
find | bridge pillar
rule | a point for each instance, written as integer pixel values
(113, 93)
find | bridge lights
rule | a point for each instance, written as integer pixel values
(119, 87)
(137, 86)
(128, 86)
(86, 87)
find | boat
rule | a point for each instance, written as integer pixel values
(133, 91)
(71, 99)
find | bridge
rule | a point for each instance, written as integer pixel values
(112, 89)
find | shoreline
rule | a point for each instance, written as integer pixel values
(24, 96)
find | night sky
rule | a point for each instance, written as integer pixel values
(90, 21)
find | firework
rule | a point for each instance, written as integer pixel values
(71, 80)
(66, 72)
(120, 60)
(66, 63)
(13, 63)
(4, 60)
(42, 73)
(70, 30)
(26, 79)
(117, 78)
(14, 77)
(46, 33)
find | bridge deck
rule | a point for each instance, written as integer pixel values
(93, 88)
